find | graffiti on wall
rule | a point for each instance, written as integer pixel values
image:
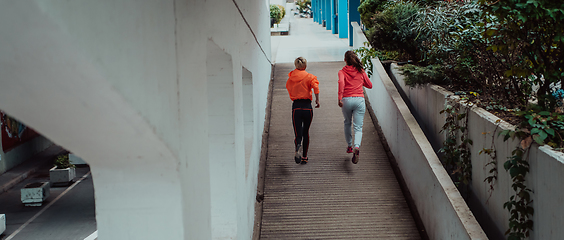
(14, 133)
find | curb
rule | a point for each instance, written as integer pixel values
(7, 186)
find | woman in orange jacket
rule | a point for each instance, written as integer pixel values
(299, 87)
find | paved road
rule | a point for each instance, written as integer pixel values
(329, 198)
(70, 217)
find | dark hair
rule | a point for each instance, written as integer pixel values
(352, 60)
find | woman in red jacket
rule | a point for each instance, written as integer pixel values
(352, 79)
(299, 87)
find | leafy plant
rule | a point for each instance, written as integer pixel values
(62, 162)
(366, 54)
(532, 31)
(544, 127)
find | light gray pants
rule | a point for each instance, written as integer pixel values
(353, 111)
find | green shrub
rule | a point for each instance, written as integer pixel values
(415, 75)
(304, 5)
(368, 8)
(62, 162)
(391, 29)
(275, 13)
(441, 28)
(282, 10)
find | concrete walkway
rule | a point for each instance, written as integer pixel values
(328, 198)
(310, 40)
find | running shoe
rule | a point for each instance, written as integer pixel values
(349, 149)
(304, 160)
(356, 156)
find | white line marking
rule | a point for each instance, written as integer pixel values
(92, 236)
(46, 207)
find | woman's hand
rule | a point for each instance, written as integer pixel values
(340, 103)
(316, 103)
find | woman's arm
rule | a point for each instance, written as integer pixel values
(341, 87)
(367, 83)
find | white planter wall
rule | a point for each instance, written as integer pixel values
(2, 223)
(442, 209)
(546, 166)
(61, 175)
(34, 196)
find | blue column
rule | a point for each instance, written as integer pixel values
(334, 23)
(319, 4)
(313, 15)
(314, 7)
(343, 18)
(328, 15)
(354, 16)
(323, 12)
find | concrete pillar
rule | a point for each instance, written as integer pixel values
(65, 92)
(354, 16)
(343, 18)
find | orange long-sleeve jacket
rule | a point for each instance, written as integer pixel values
(300, 83)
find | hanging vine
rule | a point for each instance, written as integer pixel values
(456, 158)
(492, 153)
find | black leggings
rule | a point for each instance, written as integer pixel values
(302, 114)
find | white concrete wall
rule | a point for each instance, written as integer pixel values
(443, 211)
(546, 166)
(358, 36)
(126, 86)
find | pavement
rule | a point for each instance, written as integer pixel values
(68, 212)
(310, 40)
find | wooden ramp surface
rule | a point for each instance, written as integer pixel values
(328, 198)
